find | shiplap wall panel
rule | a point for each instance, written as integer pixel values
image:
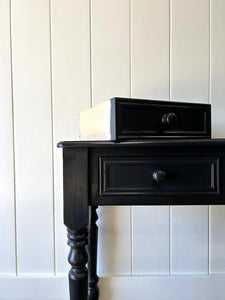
(110, 56)
(189, 34)
(180, 287)
(71, 94)
(189, 54)
(7, 222)
(110, 77)
(150, 79)
(217, 239)
(217, 90)
(217, 213)
(33, 138)
(110, 49)
(189, 240)
(150, 49)
(150, 240)
(114, 249)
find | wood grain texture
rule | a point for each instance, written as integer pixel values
(150, 49)
(75, 210)
(189, 34)
(7, 222)
(71, 94)
(217, 94)
(75, 188)
(33, 139)
(110, 49)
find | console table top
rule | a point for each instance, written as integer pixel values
(143, 143)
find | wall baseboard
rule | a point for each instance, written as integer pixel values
(182, 287)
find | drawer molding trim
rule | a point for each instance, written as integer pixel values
(130, 176)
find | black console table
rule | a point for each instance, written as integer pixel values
(151, 172)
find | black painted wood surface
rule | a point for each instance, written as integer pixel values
(78, 258)
(195, 175)
(143, 143)
(156, 172)
(76, 218)
(170, 175)
(93, 290)
(138, 119)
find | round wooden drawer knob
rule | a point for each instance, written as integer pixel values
(169, 118)
(159, 176)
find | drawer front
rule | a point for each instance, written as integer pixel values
(124, 176)
(138, 119)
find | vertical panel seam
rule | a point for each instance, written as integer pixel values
(131, 240)
(170, 59)
(130, 46)
(170, 208)
(209, 78)
(90, 42)
(130, 91)
(170, 241)
(208, 239)
(52, 135)
(209, 101)
(13, 137)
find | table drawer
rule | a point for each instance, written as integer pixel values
(121, 119)
(145, 119)
(158, 175)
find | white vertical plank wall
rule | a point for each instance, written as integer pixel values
(110, 77)
(110, 49)
(7, 213)
(114, 247)
(189, 45)
(71, 94)
(150, 240)
(189, 242)
(150, 49)
(150, 79)
(61, 57)
(189, 36)
(33, 138)
(217, 213)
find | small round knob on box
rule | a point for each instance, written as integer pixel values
(159, 176)
(169, 118)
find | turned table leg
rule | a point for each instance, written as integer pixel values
(93, 290)
(78, 258)
(76, 218)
